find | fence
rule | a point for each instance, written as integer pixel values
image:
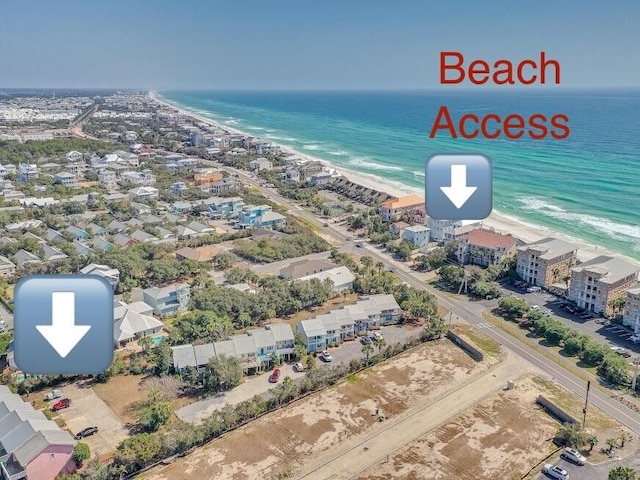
(473, 352)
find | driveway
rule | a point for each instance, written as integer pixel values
(88, 410)
(259, 385)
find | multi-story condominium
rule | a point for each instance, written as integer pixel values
(394, 207)
(335, 327)
(546, 262)
(438, 228)
(484, 247)
(65, 178)
(597, 283)
(168, 300)
(254, 349)
(631, 316)
(107, 179)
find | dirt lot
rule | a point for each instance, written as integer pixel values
(501, 437)
(285, 440)
(122, 393)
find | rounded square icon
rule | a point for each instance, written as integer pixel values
(458, 187)
(63, 324)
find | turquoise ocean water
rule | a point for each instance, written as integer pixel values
(587, 186)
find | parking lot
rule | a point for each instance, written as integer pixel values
(596, 327)
(259, 385)
(591, 472)
(87, 410)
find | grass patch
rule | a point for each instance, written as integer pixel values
(5, 339)
(353, 378)
(307, 223)
(484, 343)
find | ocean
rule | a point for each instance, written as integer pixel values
(586, 186)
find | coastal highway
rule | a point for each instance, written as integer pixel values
(469, 312)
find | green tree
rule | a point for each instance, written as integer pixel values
(615, 369)
(224, 260)
(81, 452)
(285, 391)
(513, 307)
(591, 440)
(611, 443)
(154, 416)
(162, 359)
(571, 435)
(617, 304)
(622, 473)
(310, 362)
(135, 452)
(224, 372)
(367, 350)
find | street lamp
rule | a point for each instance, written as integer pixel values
(636, 362)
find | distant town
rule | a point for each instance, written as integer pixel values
(249, 279)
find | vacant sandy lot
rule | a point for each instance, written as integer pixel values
(503, 436)
(282, 442)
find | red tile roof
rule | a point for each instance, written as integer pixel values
(488, 239)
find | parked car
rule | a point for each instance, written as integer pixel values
(326, 356)
(366, 340)
(621, 351)
(299, 367)
(634, 338)
(533, 289)
(554, 471)
(275, 375)
(3, 326)
(376, 336)
(535, 307)
(87, 432)
(573, 456)
(53, 394)
(61, 404)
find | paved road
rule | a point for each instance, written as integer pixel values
(470, 312)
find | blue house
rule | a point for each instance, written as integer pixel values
(224, 207)
(314, 334)
(77, 233)
(250, 214)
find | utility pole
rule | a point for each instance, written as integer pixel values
(586, 403)
(636, 362)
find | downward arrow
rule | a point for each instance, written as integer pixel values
(63, 334)
(458, 193)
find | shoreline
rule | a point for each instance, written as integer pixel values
(496, 221)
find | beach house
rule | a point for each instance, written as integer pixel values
(111, 275)
(107, 179)
(260, 216)
(394, 208)
(595, 284)
(631, 317)
(132, 322)
(66, 179)
(546, 263)
(31, 445)
(417, 235)
(168, 300)
(484, 247)
(341, 278)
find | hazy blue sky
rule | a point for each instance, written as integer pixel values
(304, 44)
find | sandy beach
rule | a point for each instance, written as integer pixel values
(496, 221)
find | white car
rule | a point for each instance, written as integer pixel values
(299, 366)
(554, 471)
(376, 335)
(535, 307)
(326, 356)
(635, 338)
(573, 455)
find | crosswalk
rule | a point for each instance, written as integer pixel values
(483, 325)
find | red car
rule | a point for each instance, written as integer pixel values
(275, 375)
(64, 403)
